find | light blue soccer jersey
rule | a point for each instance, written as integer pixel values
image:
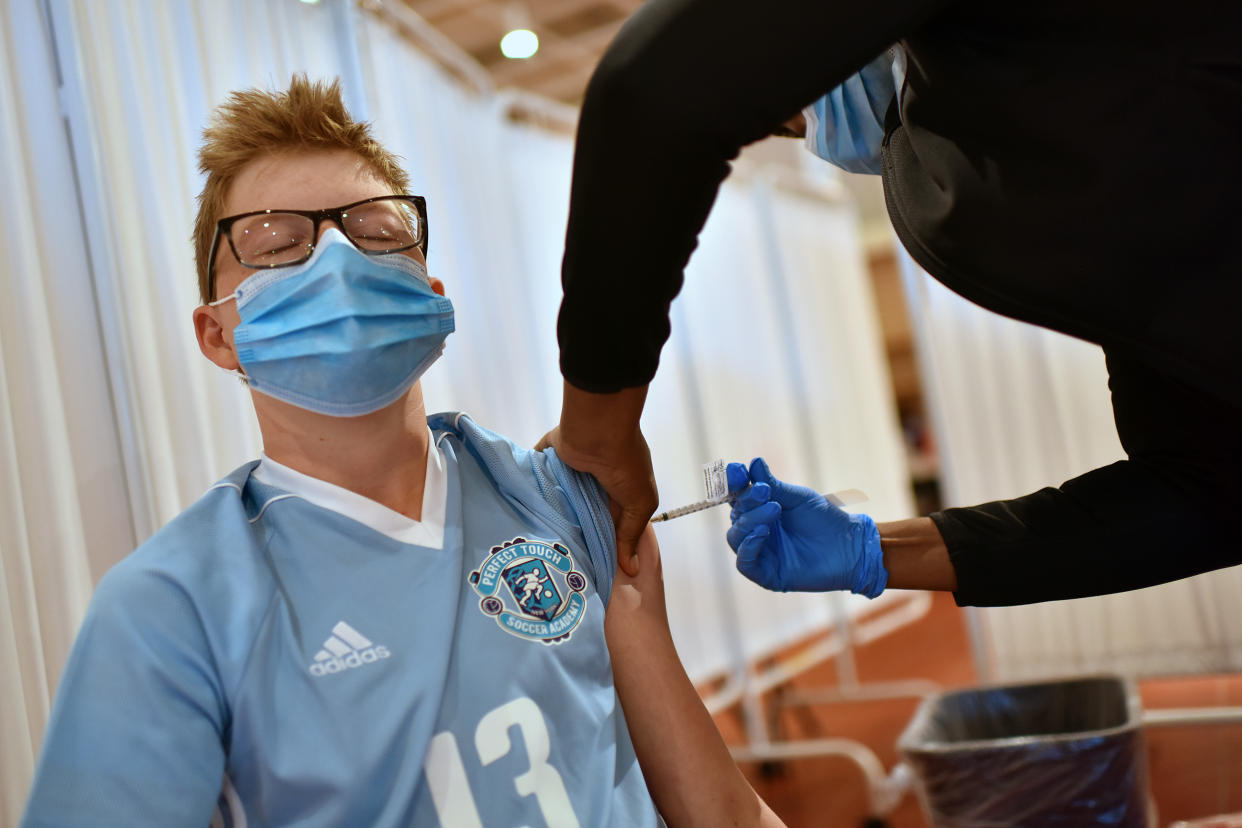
(333, 673)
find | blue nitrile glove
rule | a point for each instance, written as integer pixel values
(790, 539)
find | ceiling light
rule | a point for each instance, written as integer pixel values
(519, 43)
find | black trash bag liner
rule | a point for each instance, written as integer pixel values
(1057, 753)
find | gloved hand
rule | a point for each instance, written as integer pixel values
(789, 538)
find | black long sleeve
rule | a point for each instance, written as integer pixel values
(1170, 511)
(684, 86)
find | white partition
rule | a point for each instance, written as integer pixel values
(64, 513)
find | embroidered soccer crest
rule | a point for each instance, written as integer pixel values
(532, 588)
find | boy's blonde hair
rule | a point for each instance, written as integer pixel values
(253, 123)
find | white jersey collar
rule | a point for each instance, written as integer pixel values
(428, 532)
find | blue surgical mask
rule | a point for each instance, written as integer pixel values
(343, 333)
(846, 126)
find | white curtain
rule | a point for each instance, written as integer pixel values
(64, 514)
(111, 422)
(1016, 408)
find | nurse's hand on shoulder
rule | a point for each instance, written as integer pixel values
(791, 539)
(599, 434)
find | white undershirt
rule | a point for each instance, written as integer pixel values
(428, 532)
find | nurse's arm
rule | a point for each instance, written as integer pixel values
(692, 778)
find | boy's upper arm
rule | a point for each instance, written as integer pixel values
(137, 730)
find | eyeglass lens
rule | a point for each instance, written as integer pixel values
(272, 239)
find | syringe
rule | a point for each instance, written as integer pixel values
(690, 509)
(717, 486)
(841, 499)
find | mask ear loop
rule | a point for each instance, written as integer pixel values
(237, 372)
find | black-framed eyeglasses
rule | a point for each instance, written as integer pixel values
(264, 239)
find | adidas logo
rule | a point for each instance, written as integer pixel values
(344, 650)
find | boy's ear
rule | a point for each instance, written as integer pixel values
(213, 338)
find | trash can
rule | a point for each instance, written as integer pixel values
(1055, 753)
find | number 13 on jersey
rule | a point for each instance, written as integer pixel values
(450, 788)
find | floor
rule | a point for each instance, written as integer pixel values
(1195, 771)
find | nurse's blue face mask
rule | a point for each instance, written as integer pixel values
(344, 333)
(846, 126)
